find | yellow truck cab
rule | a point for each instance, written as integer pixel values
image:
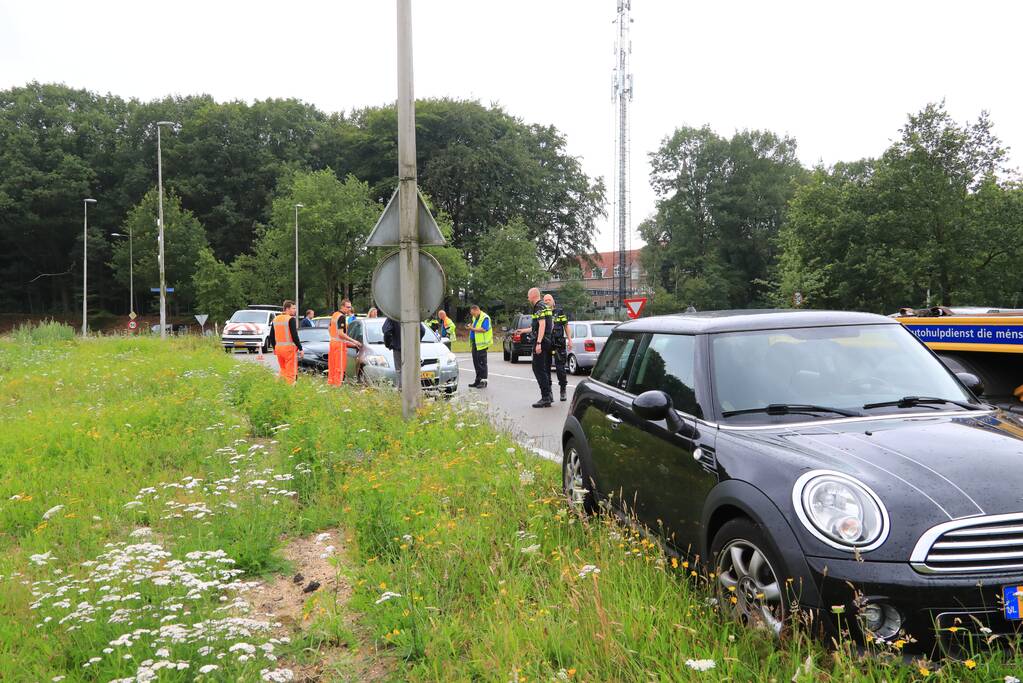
(986, 342)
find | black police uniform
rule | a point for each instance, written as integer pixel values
(542, 360)
(560, 346)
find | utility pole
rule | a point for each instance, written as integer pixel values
(408, 205)
(163, 269)
(297, 207)
(85, 265)
(622, 87)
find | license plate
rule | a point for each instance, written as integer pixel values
(1010, 598)
(427, 374)
(239, 343)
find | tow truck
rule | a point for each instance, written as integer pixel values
(986, 342)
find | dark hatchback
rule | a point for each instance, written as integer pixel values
(517, 340)
(315, 347)
(824, 458)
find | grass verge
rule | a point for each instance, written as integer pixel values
(145, 484)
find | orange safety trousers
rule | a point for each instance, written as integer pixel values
(287, 358)
(337, 359)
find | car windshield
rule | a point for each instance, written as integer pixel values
(843, 367)
(313, 334)
(249, 317)
(602, 329)
(375, 332)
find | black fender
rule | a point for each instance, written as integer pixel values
(734, 495)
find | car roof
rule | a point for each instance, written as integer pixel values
(597, 322)
(710, 322)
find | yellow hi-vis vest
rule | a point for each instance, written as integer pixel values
(483, 339)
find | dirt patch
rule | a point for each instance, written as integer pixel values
(315, 576)
(317, 587)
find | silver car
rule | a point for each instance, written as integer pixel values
(588, 337)
(374, 363)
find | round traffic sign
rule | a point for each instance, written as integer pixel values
(132, 324)
(387, 293)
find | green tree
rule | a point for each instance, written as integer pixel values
(720, 205)
(184, 239)
(574, 298)
(508, 266)
(217, 293)
(333, 226)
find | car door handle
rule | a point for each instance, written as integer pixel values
(613, 420)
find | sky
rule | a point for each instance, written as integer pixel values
(840, 77)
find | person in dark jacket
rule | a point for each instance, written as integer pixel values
(307, 319)
(392, 340)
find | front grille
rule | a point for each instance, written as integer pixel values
(992, 543)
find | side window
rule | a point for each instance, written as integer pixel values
(355, 330)
(668, 363)
(613, 364)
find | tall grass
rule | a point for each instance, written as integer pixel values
(466, 562)
(46, 332)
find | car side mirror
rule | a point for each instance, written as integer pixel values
(656, 405)
(446, 342)
(972, 382)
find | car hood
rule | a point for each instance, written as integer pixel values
(427, 350)
(926, 469)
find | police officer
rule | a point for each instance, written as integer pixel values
(561, 340)
(541, 339)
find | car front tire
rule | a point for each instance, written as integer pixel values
(750, 576)
(507, 355)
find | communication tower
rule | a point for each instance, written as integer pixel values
(622, 95)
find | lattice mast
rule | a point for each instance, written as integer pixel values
(622, 91)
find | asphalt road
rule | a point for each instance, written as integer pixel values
(511, 391)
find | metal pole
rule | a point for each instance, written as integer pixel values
(407, 210)
(163, 274)
(85, 264)
(131, 274)
(297, 207)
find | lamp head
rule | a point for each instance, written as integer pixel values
(166, 123)
(299, 206)
(89, 201)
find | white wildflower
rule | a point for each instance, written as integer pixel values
(1011, 679)
(387, 595)
(163, 652)
(700, 664)
(587, 570)
(530, 549)
(277, 675)
(526, 477)
(208, 668)
(52, 511)
(327, 552)
(42, 558)
(323, 537)
(244, 647)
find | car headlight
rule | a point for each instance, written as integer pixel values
(378, 361)
(449, 359)
(839, 510)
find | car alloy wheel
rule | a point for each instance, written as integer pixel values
(749, 582)
(573, 365)
(573, 481)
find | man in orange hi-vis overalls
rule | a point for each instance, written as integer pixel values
(337, 357)
(285, 342)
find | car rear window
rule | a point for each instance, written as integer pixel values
(313, 334)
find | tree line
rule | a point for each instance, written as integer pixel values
(233, 172)
(937, 219)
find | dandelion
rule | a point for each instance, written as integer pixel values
(970, 664)
(587, 570)
(924, 671)
(52, 511)
(700, 664)
(387, 595)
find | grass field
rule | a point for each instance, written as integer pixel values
(145, 486)
(462, 346)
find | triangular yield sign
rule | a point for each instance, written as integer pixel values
(635, 306)
(387, 233)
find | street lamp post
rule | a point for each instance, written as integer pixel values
(131, 270)
(297, 207)
(85, 265)
(163, 270)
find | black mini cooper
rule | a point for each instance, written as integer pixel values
(823, 458)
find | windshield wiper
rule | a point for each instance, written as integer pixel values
(790, 408)
(913, 401)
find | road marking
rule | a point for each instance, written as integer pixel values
(498, 374)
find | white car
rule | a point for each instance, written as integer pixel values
(249, 329)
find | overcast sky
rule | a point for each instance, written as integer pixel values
(838, 76)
